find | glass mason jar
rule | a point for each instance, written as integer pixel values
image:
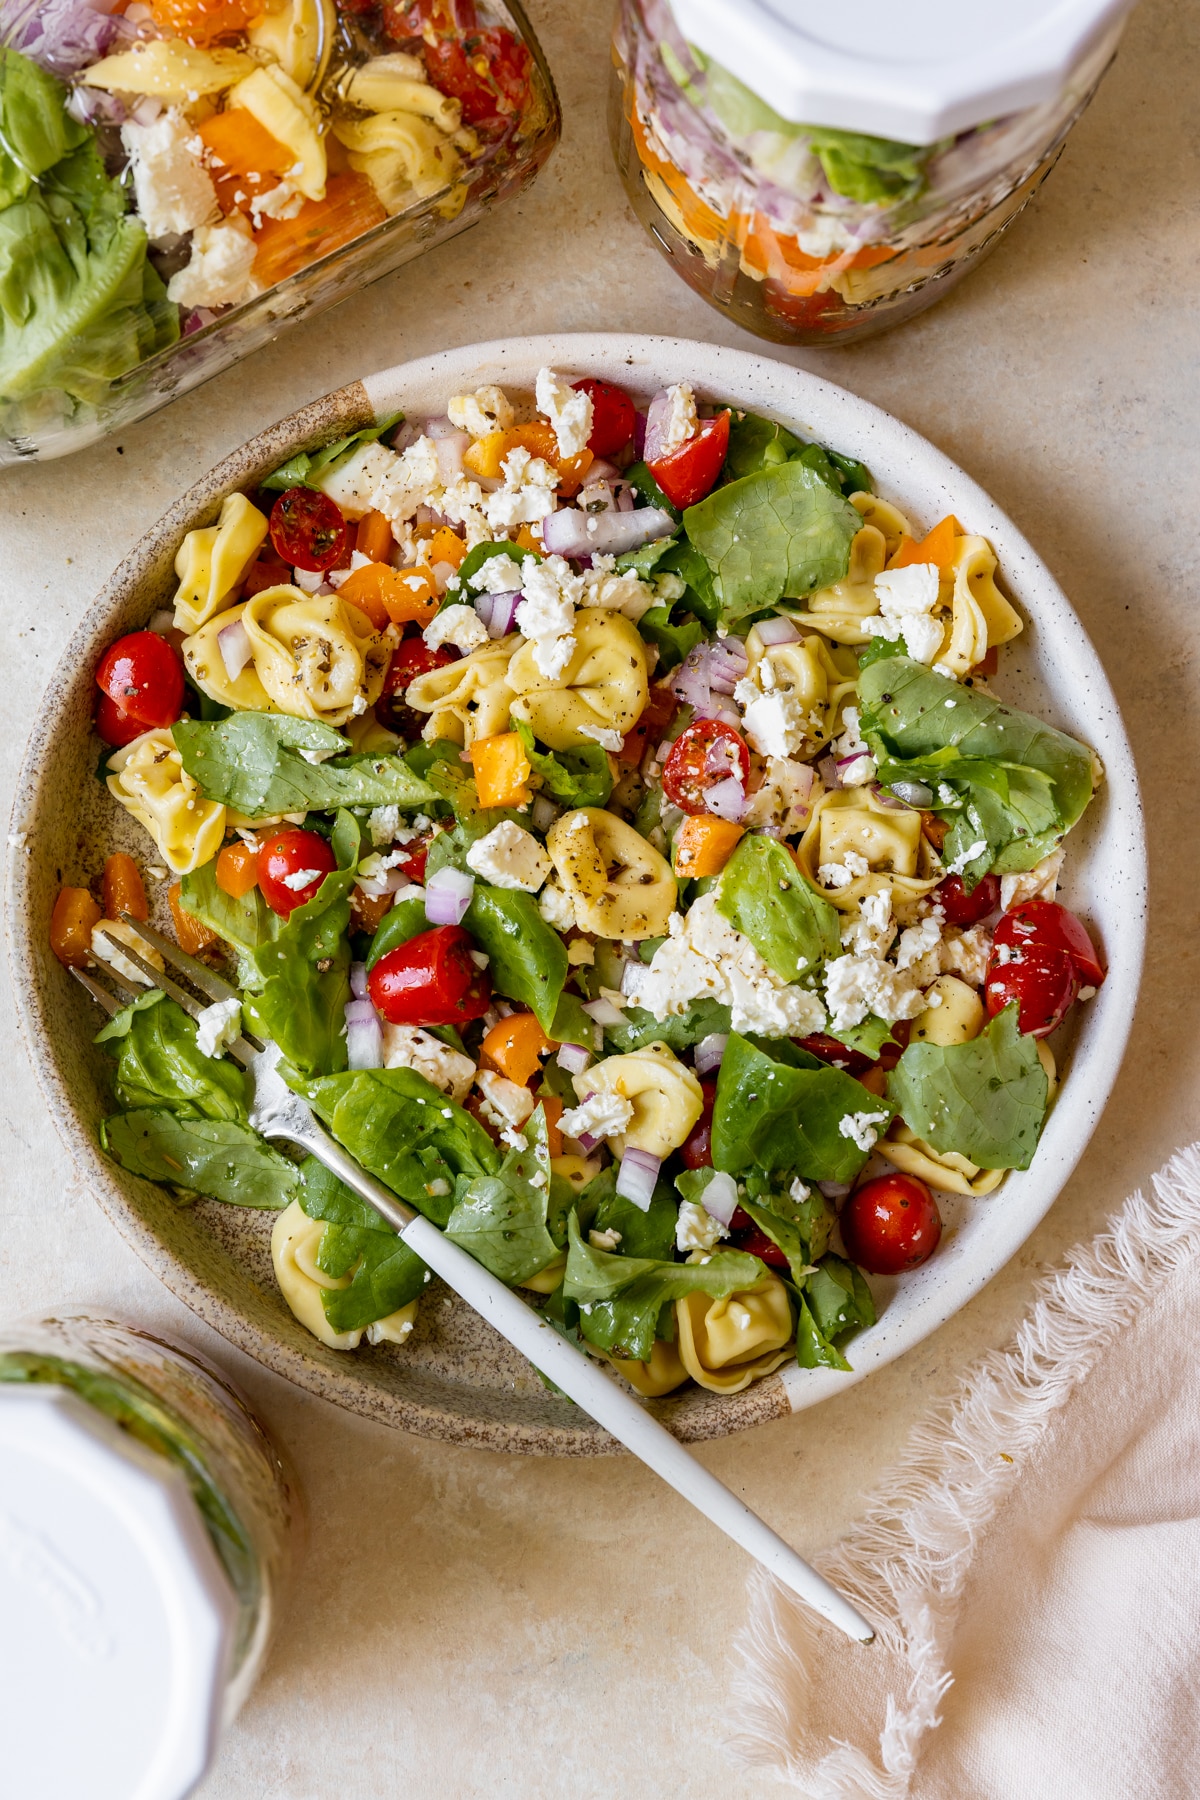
(805, 234)
(336, 139)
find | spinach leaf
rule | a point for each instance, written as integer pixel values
(474, 560)
(405, 1131)
(620, 1298)
(764, 895)
(571, 1025)
(639, 477)
(579, 777)
(835, 1301)
(986, 1099)
(245, 921)
(501, 1218)
(303, 469)
(772, 1115)
(528, 958)
(699, 596)
(675, 638)
(157, 1061)
(385, 1273)
(258, 764)
(218, 1157)
(781, 532)
(802, 1229)
(756, 443)
(405, 921)
(679, 1031)
(646, 557)
(650, 1233)
(868, 1038)
(855, 476)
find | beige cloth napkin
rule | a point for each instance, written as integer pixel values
(1032, 1564)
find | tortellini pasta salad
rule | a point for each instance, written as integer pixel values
(628, 852)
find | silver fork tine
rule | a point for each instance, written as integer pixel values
(99, 994)
(242, 1049)
(215, 986)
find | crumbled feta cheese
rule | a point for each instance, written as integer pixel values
(966, 953)
(966, 857)
(680, 422)
(861, 770)
(870, 931)
(510, 857)
(605, 735)
(860, 1128)
(504, 1103)
(906, 599)
(335, 577)
(774, 723)
(798, 1192)
(827, 234)
(858, 985)
(569, 412)
(706, 957)
(556, 907)
(1087, 993)
(408, 1047)
(919, 941)
(527, 495)
(581, 954)
(1038, 883)
(218, 1026)
(840, 874)
(546, 615)
(599, 1116)
(497, 575)
(784, 798)
(696, 1229)
(301, 878)
(616, 590)
(219, 270)
(383, 823)
(283, 201)
(488, 409)
(458, 625)
(351, 484)
(410, 480)
(173, 190)
(604, 1240)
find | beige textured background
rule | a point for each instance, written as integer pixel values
(467, 1624)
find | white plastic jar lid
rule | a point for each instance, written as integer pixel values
(118, 1618)
(916, 72)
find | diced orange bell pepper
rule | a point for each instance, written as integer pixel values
(936, 547)
(704, 845)
(501, 770)
(71, 922)
(373, 537)
(392, 596)
(237, 869)
(554, 1112)
(193, 936)
(486, 455)
(123, 889)
(445, 546)
(516, 1046)
(652, 725)
(203, 22)
(525, 540)
(350, 207)
(244, 159)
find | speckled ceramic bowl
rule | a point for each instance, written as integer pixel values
(455, 1379)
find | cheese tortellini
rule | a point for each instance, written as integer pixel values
(403, 156)
(666, 1097)
(953, 1014)
(980, 616)
(295, 1241)
(808, 674)
(886, 518)
(947, 1170)
(726, 1344)
(299, 34)
(851, 825)
(149, 780)
(839, 611)
(468, 699)
(618, 884)
(212, 561)
(663, 1372)
(603, 688)
(313, 656)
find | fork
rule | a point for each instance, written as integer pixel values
(279, 1113)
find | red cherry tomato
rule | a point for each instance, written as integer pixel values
(891, 1224)
(414, 859)
(410, 658)
(707, 752)
(1042, 980)
(431, 980)
(696, 1149)
(487, 70)
(965, 909)
(282, 858)
(309, 532)
(830, 1051)
(141, 678)
(745, 1235)
(266, 571)
(613, 416)
(685, 475)
(1051, 927)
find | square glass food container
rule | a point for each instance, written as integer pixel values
(300, 148)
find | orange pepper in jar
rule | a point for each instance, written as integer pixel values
(203, 22)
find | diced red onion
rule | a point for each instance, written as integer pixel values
(498, 611)
(233, 641)
(604, 1012)
(543, 813)
(726, 799)
(442, 428)
(569, 532)
(573, 1058)
(92, 106)
(364, 1036)
(708, 1055)
(447, 896)
(405, 435)
(597, 497)
(146, 111)
(600, 469)
(834, 1190)
(358, 980)
(777, 630)
(656, 425)
(718, 707)
(197, 319)
(720, 1198)
(727, 663)
(636, 1177)
(587, 1142)
(912, 794)
(829, 772)
(449, 450)
(626, 496)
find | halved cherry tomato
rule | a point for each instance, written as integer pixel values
(696, 1150)
(431, 980)
(745, 1235)
(685, 475)
(707, 752)
(891, 1224)
(266, 571)
(1042, 980)
(613, 415)
(141, 678)
(412, 863)
(283, 857)
(962, 908)
(831, 1051)
(653, 722)
(410, 658)
(1051, 926)
(309, 532)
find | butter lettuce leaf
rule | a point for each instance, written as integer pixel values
(385, 1273)
(621, 1298)
(245, 920)
(779, 533)
(986, 1099)
(764, 895)
(579, 777)
(304, 469)
(835, 1301)
(679, 1031)
(780, 1116)
(527, 958)
(159, 1064)
(220, 1158)
(501, 1218)
(36, 130)
(264, 764)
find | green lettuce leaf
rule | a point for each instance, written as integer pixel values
(779, 533)
(869, 169)
(501, 1218)
(785, 1116)
(644, 1234)
(699, 596)
(36, 130)
(801, 1228)
(579, 777)
(756, 443)
(218, 1157)
(679, 1031)
(254, 762)
(835, 1301)
(763, 894)
(675, 637)
(307, 466)
(405, 921)
(527, 958)
(385, 1273)
(638, 476)
(159, 1064)
(986, 1099)
(245, 921)
(621, 1298)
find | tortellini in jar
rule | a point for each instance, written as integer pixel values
(401, 154)
(149, 780)
(313, 656)
(603, 689)
(468, 699)
(980, 615)
(666, 1097)
(211, 562)
(726, 1344)
(618, 884)
(295, 1243)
